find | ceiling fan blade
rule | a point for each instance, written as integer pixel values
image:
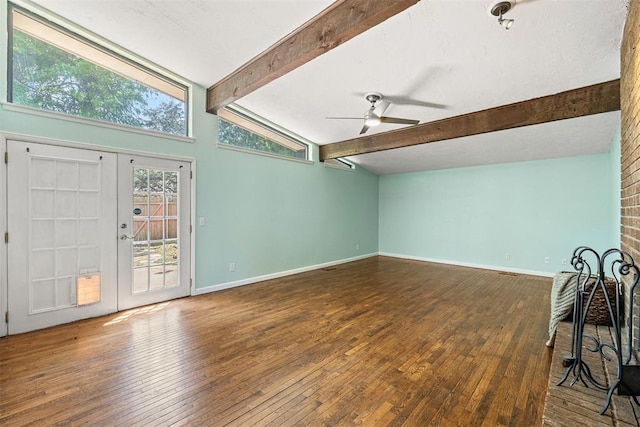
(380, 107)
(364, 129)
(407, 100)
(398, 121)
(345, 118)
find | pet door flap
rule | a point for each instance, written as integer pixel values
(88, 289)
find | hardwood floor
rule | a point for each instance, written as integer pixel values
(380, 341)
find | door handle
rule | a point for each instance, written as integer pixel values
(125, 237)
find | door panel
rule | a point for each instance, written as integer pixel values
(62, 263)
(155, 239)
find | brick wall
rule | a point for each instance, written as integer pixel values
(630, 111)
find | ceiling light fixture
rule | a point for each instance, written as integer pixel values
(500, 9)
(371, 120)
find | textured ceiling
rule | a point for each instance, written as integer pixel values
(437, 59)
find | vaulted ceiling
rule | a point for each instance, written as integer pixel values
(437, 59)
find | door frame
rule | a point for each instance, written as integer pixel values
(4, 284)
(5, 136)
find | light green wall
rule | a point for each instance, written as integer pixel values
(530, 210)
(267, 215)
(288, 215)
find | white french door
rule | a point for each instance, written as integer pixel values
(62, 263)
(154, 238)
(91, 233)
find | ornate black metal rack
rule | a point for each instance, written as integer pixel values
(588, 281)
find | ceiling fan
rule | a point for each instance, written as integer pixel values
(374, 116)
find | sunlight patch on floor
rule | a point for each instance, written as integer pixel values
(135, 312)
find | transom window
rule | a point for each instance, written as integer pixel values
(240, 128)
(339, 163)
(53, 69)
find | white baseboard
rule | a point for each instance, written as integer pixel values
(234, 284)
(472, 265)
(250, 280)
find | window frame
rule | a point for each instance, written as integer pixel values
(340, 164)
(104, 47)
(257, 125)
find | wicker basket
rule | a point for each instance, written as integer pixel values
(598, 313)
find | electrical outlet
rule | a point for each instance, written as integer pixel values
(547, 260)
(507, 256)
(357, 247)
(232, 266)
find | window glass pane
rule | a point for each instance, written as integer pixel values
(155, 229)
(140, 279)
(156, 205)
(171, 252)
(338, 164)
(170, 275)
(171, 229)
(156, 184)
(55, 70)
(140, 180)
(140, 230)
(141, 201)
(171, 182)
(157, 253)
(156, 277)
(140, 254)
(172, 205)
(242, 128)
(228, 133)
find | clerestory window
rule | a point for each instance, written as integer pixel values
(240, 128)
(339, 163)
(54, 69)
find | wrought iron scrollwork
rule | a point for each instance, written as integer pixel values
(589, 280)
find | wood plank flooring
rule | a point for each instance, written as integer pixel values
(377, 342)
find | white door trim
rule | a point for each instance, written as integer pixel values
(89, 146)
(4, 302)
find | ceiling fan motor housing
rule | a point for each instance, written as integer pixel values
(373, 97)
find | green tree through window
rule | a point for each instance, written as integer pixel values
(228, 133)
(46, 77)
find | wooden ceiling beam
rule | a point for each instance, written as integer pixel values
(338, 23)
(584, 101)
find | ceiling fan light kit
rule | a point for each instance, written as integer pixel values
(371, 120)
(499, 9)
